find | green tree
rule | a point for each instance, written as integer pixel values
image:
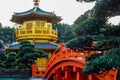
(28, 54)
(0, 25)
(65, 32)
(107, 37)
(7, 34)
(2, 59)
(11, 60)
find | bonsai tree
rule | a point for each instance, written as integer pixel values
(27, 54)
(2, 59)
(11, 60)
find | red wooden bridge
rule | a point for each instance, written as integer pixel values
(66, 64)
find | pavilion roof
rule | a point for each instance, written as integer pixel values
(39, 45)
(35, 13)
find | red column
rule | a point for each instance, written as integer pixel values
(58, 75)
(78, 76)
(68, 71)
(90, 77)
(33, 70)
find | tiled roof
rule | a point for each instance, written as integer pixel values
(40, 45)
(35, 13)
(45, 45)
(35, 10)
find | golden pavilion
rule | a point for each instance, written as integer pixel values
(36, 27)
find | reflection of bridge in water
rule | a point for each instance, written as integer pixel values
(66, 64)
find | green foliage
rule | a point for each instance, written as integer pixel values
(2, 59)
(65, 32)
(10, 60)
(7, 35)
(105, 36)
(39, 54)
(93, 56)
(2, 56)
(1, 45)
(0, 25)
(80, 42)
(27, 54)
(103, 62)
(111, 30)
(83, 17)
(108, 42)
(23, 59)
(89, 26)
(26, 47)
(106, 8)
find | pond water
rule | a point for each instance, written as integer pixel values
(22, 79)
(14, 78)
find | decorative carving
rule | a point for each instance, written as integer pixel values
(36, 3)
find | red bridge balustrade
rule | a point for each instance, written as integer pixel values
(66, 64)
(38, 69)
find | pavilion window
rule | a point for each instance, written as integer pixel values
(38, 23)
(29, 26)
(42, 24)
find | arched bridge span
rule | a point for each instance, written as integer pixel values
(66, 64)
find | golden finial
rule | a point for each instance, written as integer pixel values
(36, 3)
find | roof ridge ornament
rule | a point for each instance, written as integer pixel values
(36, 3)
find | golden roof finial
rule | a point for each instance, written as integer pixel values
(36, 3)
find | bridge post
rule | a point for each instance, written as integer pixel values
(68, 71)
(79, 75)
(90, 77)
(58, 75)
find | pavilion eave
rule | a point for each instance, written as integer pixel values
(50, 18)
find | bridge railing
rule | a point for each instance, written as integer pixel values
(63, 53)
(59, 54)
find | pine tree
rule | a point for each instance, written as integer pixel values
(94, 28)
